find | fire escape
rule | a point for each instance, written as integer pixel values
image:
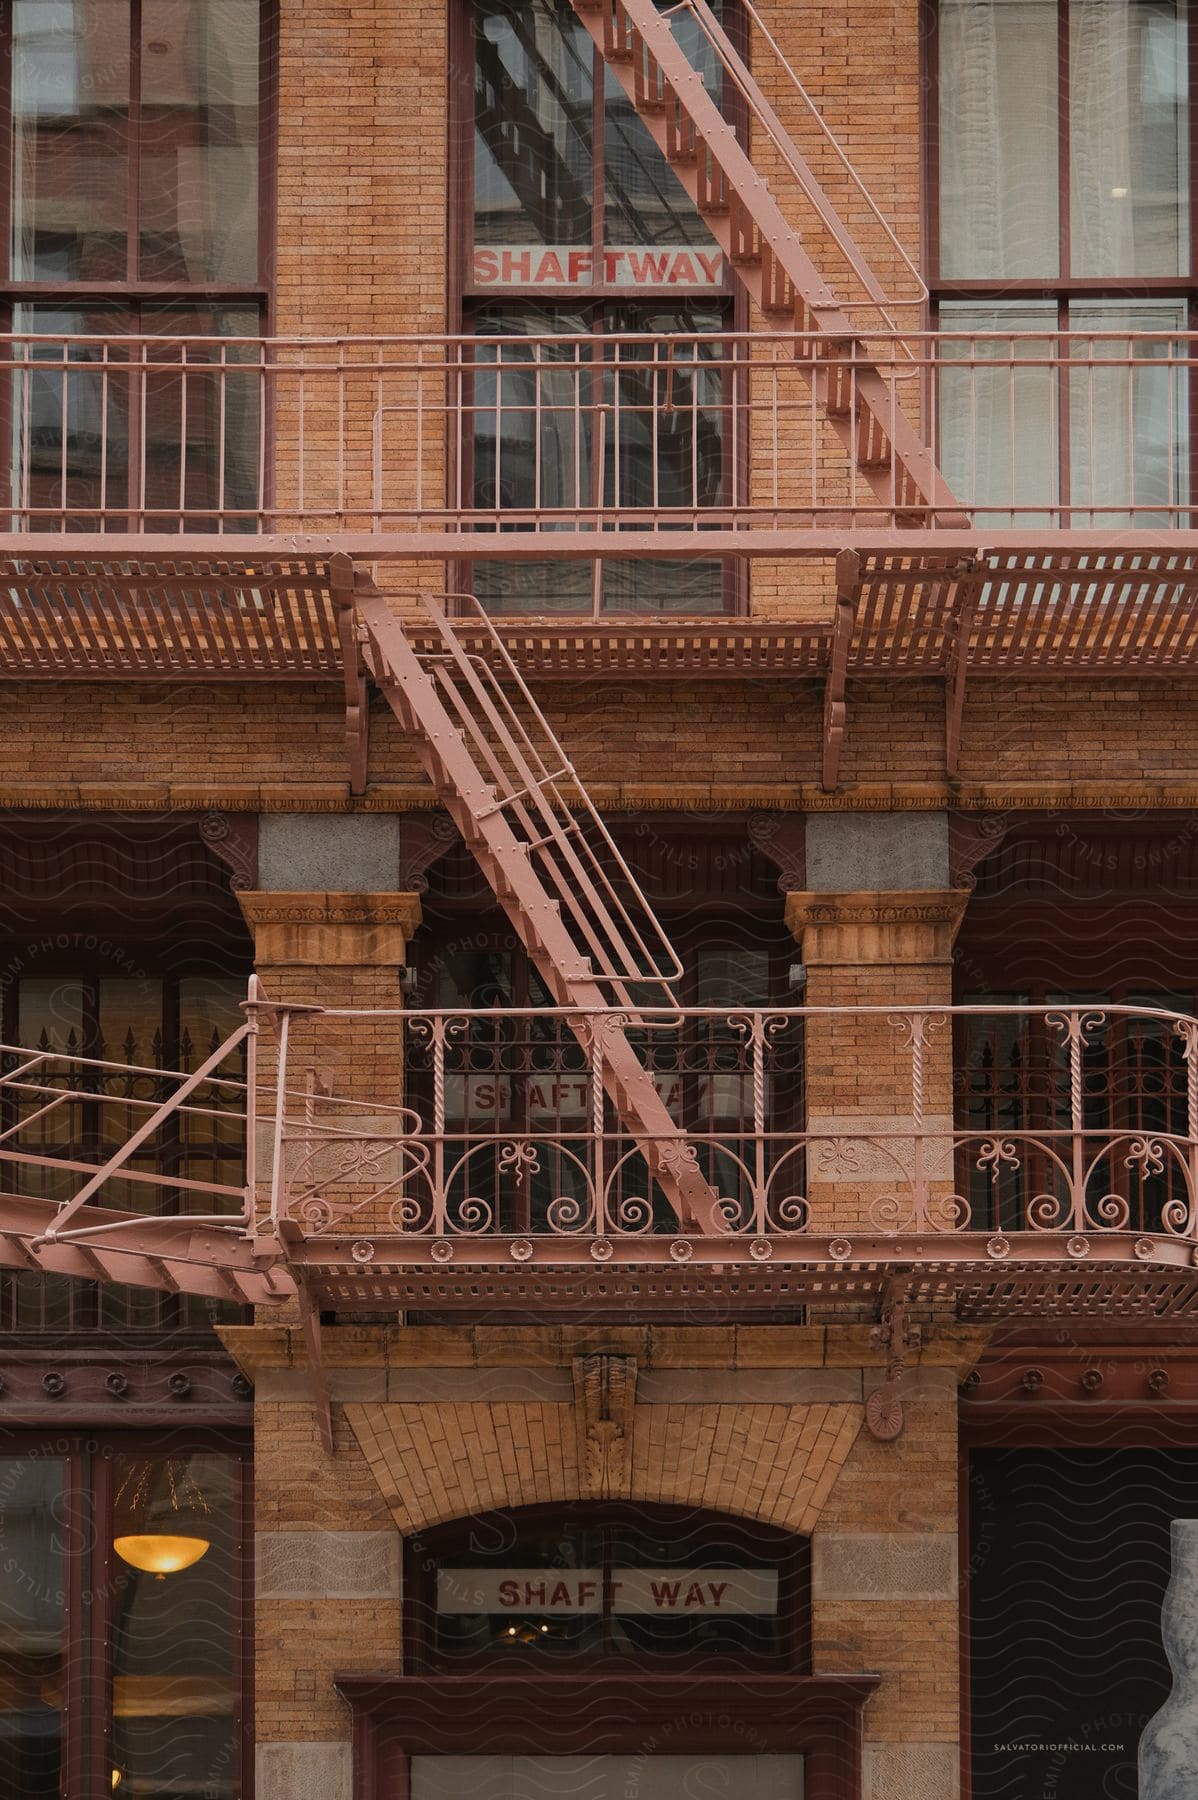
(616, 1202)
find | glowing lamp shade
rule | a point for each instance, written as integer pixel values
(159, 1553)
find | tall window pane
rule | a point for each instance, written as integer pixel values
(532, 124)
(71, 101)
(1129, 202)
(198, 163)
(32, 1628)
(999, 207)
(1000, 410)
(1128, 413)
(174, 1635)
(645, 203)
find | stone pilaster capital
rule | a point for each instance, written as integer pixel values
(330, 929)
(917, 925)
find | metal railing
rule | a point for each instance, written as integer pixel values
(505, 1147)
(499, 1145)
(495, 438)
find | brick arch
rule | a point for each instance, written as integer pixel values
(434, 1463)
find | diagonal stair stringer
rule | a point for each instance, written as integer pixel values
(764, 250)
(508, 802)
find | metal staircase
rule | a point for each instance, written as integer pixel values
(504, 779)
(639, 45)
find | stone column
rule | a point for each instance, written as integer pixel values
(876, 929)
(329, 929)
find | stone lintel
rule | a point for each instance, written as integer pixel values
(334, 852)
(914, 925)
(330, 929)
(848, 851)
(395, 1354)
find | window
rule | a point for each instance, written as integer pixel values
(136, 133)
(122, 1619)
(576, 225)
(1060, 143)
(551, 1588)
(1014, 1090)
(524, 1080)
(154, 1021)
(1068, 1556)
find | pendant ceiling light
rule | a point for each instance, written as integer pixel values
(166, 1527)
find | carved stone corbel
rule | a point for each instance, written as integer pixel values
(604, 1399)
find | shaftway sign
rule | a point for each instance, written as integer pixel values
(559, 1591)
(559, 266)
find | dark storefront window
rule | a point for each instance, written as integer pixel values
(150, 1021)
(136, 131)
(1069, 1557)
(122, 1619)
(525, 1077)
(1014, 1082)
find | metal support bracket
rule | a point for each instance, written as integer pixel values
(963, 598)
(321, 1397)
(897, 1336)
(848, 586)
(353, 670)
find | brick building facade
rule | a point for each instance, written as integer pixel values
(698, 1290)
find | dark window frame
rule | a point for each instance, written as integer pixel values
(86, 1321)
(465, 300)
(89, 1456)
(1061, 289)
(132, 288)
(791, 1549)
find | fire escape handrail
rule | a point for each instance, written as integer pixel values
(737, 71)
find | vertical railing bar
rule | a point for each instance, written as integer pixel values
(222, 426)
(183, 439)
(104, 386)
(276, 1172)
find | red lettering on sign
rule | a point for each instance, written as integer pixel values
(579, 265)
(486, 265)
(712, 265)
(517, 267)
(586, 1592)
(718, 1590)
(694, 1595)
(611, 264)
(683, 271)
(647, 268)
(550, 268)
(665, 1593)
(509, 1594)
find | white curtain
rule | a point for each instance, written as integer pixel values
(998, 139)
(1128, 203)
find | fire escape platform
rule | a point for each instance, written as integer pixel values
(914, 615)
(97, 618)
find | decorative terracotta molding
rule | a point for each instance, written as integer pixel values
(971, 838)
(425, 838)
(911, 927)
(233, 837)
(781, 836)
(711, 797)
(604, 1398)
(336, 930)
